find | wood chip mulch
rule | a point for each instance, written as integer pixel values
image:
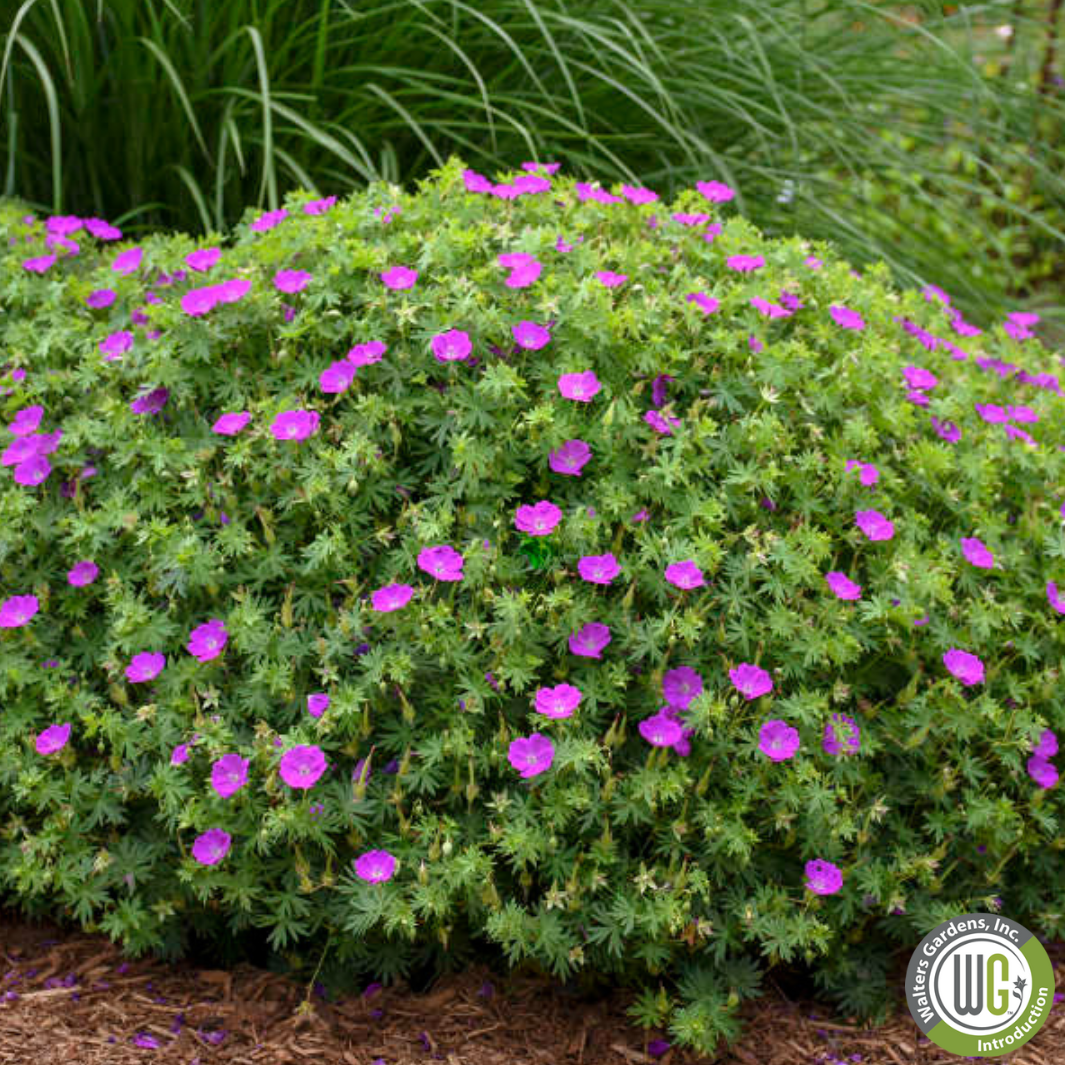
(71, 998)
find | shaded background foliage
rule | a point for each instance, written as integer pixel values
(877, 126)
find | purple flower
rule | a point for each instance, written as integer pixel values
(609, 279)
(316, 207)
(17, 611)
(151, 402)
(399, 278)
(232, 423)
(1047, 746)
(375, 866)
(211, 847)
(570, 458)
(391, 597)
(145, 666)
(229, 774)
(660, 730)
(1042, 772)
(590, 640)
(116, 345)
(268, 220)
(301, 766)
(367, 354)
(39, 265)
(128, 261)
(539, 520)
(317, 704)
(180, 754)
(750, 681)
(100, 298)
(846, 318)
(295, 424)
(685, 575)
(452, 346)
(531, 336)
(291, 280)
(965, 666)
(199, 301)
(715, 191)
(874, 524)
(823, 878)
(946, 430)
(745, 263)
(207, 640)
(707, 304)
(657, 1047)
(841, 735)
(843, 586)
(680, 686)
(532, 755)
(557, 702)
(26, 421)
(918, 377)
(442, 562)
(52, 739)
(337, 378)
(1052, 595)
(579, 386)
(33, 470)
(778, 740)
(598, 569)
(203, 259)
(977, 553)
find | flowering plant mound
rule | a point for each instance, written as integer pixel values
(530, 562)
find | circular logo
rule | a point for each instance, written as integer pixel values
(980, 984)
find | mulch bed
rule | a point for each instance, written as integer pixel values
(70, 997)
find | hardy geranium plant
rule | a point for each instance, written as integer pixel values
(529, 562)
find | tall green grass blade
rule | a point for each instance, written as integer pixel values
(179, 88)
(197, 195)
(269, 183)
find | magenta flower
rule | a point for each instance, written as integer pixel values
(690, 219)
(771, 310)
(539, 520)
(1052, 595)
(946, 430)
(531, 756)
(846, 318)
(116, 345)
(579, 386)
(268, 220)
(638, 195)
(452, 346)
(598, 569)
(212, 846)
(399, 278)
(557, 702)
(680, 686)
(17, 611)
(180, 754)
(291, 280)
(918, 377)
(685, 575)
(610, 279)
(145, 666)
(530, 336)
(715, 191)
(442, 562)
(301, 766)
(869, 474)
(233, 291)
(391, 597)
(659, 424)
(207, 641)
(102, 230)
(316, 207)
(965, 666)
(1047, 746)
(151, 402)
(992, 413)
(83, 573)
(745, 263)
(203, 259)
(1042, 772)
(199, 301)
(590, 640)
(229, 774)
(841, 735)
(128, 261)
(367, 354)
(33, 470)
(20, 449)
(524, 269)
(751, 681)
(100, 298)
(660, 730)
(1025, 415)
(337, 378)
(26, 421)
(232, 423)
(39, 265)
(874, 524)
(977, 553)
(823, 878)
(375, 866)
(317, 704)
(708, 304)
(52, 739)
(778, 741)
(295, 424)
(570, 458)
(843, 586)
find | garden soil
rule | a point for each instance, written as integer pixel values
(70, 998)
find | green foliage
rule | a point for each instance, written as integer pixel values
(680, 874)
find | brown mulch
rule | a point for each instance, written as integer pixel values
(70, 997)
